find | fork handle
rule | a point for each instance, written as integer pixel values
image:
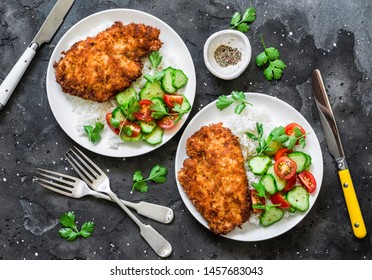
(153, 211)
(156, 241)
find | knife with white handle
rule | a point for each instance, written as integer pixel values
(335, 148)
(45, 34)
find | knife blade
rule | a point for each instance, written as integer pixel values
(45, 34)
(335, 148)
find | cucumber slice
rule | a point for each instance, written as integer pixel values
(179, 79)
(126, 95)
(147, 127)
(126, 138)
(186, 106)
(259, 164)
(270, 217)
(268, 181)
(280, 183)
(308, 161)
(299, 198)
(155, 137)
(167, 81)
(300, 159)
(118, 114)
(151, 90)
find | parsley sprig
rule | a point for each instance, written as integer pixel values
(155, 59)
(278, 135)
(241, 22)
(70, 230)
(158, 174)
(94, 133)
(236, 97)
(271, 56)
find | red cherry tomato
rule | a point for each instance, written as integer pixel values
(285, 168)
(256, 199)
(282, 152)
(168, 122)
(290, 184)
(108, 120)
(144, 113)
(307, 180)
(131, 129)
(289, 130)
(279, 199)
(171, 99)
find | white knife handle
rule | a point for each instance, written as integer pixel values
(11, 81)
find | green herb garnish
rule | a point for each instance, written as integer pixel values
(271, 56)
(94, 133)
(155, 58)
(266, 207)
(278, 135)
(70, 231)
(158, 174)
(236, 97)
(241, 22)
(260, 188)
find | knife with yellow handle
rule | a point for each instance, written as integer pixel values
(335, 148)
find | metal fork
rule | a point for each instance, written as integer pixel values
(73, 187)
(98, 181)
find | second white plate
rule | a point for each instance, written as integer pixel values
(280, 113)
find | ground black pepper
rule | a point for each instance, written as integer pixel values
(227, 56)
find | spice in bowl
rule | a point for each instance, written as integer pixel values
(227, 56)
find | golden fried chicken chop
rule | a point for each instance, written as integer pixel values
(99, 67)
(214, 178)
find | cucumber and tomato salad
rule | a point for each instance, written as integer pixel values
(157, 107)
(286, 180)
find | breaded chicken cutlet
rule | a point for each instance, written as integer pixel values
(214, 178)
(99, 67)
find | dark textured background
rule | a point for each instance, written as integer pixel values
(334, 36)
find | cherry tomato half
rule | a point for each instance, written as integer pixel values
(307, 180)
(285, 168)
(168, 122)
(282, 152)
(277, 198)
(290, 184)
(171, 99)
(289, 130)
(144, 113)
(108, 120)
(256, 199)
(131, 129)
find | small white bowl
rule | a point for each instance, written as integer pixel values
(234, 39)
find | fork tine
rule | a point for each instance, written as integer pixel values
(90, 161)
(79, 170)
(48, 184)
(57, 173)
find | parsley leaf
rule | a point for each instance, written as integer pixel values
(155, 58)
(271, 56)
(94, 133)
(155, 78)
(260, 188)
(236, 96)
(70, 231)
(274, 70)
(241, 22)
(158, 174)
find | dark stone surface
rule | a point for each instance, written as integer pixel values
(334, 36)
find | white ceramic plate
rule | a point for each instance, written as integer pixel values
(281, 114)
(173, 49)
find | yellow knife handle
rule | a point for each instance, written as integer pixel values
(352, 204)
